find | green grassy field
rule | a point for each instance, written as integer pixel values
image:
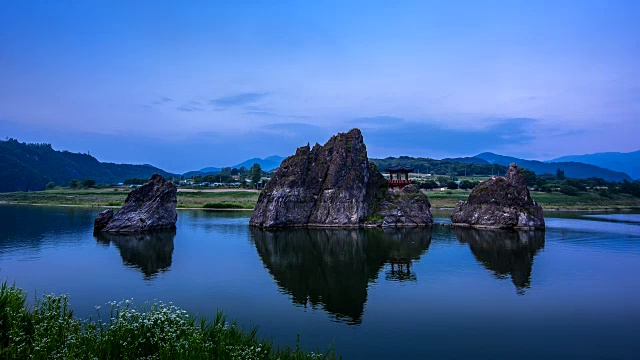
(235, 199)
(549, 201)
(246, 199)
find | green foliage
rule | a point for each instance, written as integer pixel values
(29, 167)
(255, 173)
(50, 185)
(429, 184)
(89, 183)
(74, 183)
(136, 181)
(560, 174)
(452, 185)
(224, 205)
(569, 190)
(447, 167)
(153, 331)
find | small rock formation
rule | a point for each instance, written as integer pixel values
(500, 203)
(151, 206)
(405, 207)
(335, 185)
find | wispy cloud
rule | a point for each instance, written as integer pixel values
(188, 108)
(162, 100)
(237, 100)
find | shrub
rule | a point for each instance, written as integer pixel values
(50, 186)
(569, 190)
(223, 205)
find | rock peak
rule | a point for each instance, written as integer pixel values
(500, 202)
(333, 185)
(151, 206)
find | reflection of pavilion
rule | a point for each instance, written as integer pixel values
(150, 252)
(505, 252)
(332, 268)
(400, 270)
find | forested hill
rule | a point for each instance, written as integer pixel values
(452, 167)
(571, 169)
(29, 167)
(493, 164)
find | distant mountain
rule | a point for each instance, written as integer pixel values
(571, 169)
(213, 170)
(28, 167)
(468, 160)
(624, 162)
(266, 164)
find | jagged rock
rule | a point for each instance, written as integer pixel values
(330, 185)
(151, 206)
(500, 202)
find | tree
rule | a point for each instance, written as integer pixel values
(529, 176)
(569, 190)
(74, 184)
(89, 183)
(560, 174)
(256, 174)
(466, 184)
(234, 171)
(429, 184)
(50, 186)
(452, 185)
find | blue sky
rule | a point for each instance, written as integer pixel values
(188, 84)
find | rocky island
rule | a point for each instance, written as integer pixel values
(335, 185)
(501, 202)
(151, 206)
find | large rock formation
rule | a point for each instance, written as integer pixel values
(152, 206)
(500, 203)
(335, 185)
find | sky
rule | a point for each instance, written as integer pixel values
(184, 85)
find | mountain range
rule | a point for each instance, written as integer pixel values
(266, 164)
(571, 169)
(28, 167)
(625, 162)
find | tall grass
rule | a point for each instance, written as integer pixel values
(153, 331)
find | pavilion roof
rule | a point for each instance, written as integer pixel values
(398, 168)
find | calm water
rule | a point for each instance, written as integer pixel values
(570, 292)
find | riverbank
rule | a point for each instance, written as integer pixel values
(48, 330)
(233, 199)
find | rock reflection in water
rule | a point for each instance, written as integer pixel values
(505, 252)
(150, 252)
(332, 268)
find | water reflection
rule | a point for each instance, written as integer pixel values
(150, 252)
(332, 268)
(505, 252)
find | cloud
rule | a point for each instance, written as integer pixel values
(162, 100)
(428, 139)
(237, 100)
(188, 108)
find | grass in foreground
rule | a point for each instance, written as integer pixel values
(154, 331)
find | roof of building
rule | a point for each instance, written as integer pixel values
(398, 168)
